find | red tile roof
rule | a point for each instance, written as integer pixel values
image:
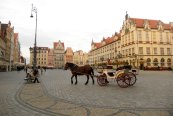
(56, 43)
(152, 23)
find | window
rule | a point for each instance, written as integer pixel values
(155, 51)
(132, 37)
(169, 62)
(155, 62)
(148, 62)
(147, 36)
(168, 51)
(161, 38)
(140, 50)
(162, 61)
(154, 36)
(167, 37)
(161, 51)
(148, 50)
(133, 50)
(139, 35)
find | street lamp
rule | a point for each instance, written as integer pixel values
(34, 9)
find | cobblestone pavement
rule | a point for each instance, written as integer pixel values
(150, 96)
(9, 86)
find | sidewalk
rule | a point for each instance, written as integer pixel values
(35, 97)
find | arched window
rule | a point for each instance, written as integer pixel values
(162, 61)
(169, 62)
(148, 62)
(155, 62)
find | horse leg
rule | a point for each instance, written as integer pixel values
(76, 79)
(92, 79)
(87, 80)
(72, 79)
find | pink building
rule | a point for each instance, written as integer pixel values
(68, 56)
(50, 58)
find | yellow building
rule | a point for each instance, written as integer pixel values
(141, 43)
(80, 58)
(42, 56)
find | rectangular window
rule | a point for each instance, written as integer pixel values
(167, 37)
(161, 51)
(147, 36)
(161, 38)
(155, 51)
(139, 35)
(133, 50)
(148, 50)
(168, 51)
(154, 36)
(132, 37)
(140, 50)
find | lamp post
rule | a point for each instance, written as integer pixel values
(34, 9)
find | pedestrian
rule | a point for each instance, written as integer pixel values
(36, 73)
(26, 69)
(41, 70)
(45, 69)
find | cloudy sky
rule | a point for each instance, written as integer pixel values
(76, 22)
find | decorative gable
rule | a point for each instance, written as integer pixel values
(160, 26)
(146, 24)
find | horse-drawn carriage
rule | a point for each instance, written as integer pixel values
(122, 76)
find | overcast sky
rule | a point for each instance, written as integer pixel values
(76, 22)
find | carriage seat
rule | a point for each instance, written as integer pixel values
(110, 74)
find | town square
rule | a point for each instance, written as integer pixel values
(86, 58)
(150, 96)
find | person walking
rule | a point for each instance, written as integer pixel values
(36, 73)
(26, 70)
(41, 69)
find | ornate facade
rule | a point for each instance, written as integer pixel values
(141, 43)
(59, 50)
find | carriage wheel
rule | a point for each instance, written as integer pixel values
(101, 81)
(123, 81)
(132, 78)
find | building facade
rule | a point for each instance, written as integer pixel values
(80, 58)
(16, 49)
(59, 50)
(140, 42)
(41, 57)
(50, 58)
(68, 55)
(7, 45)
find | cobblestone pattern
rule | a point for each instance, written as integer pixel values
(152, 90)
(9, 85)
(57, 97)
(61, 107)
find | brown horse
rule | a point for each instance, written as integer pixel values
(80, 70)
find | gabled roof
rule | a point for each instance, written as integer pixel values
(56, 43)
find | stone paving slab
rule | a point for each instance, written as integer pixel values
(45, 103)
